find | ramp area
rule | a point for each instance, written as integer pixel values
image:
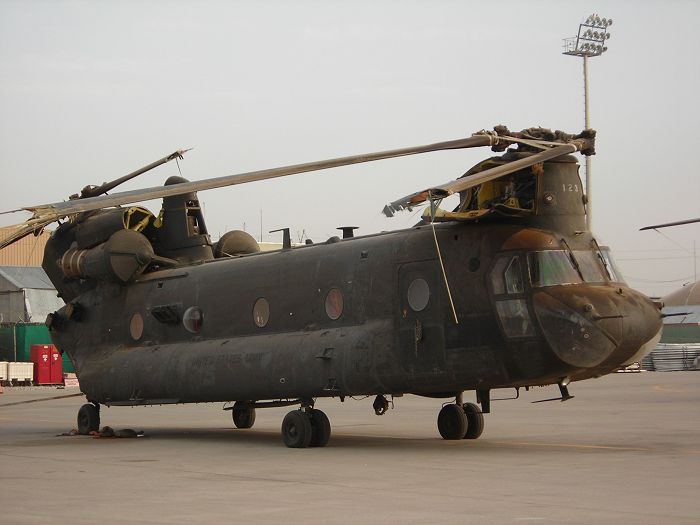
(624, 451)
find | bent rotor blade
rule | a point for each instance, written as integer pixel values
(464, 183)
(666, 225)
(63, 209)
(29, 227)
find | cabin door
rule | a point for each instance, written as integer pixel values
(421, 332)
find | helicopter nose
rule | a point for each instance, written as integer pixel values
(597, 326)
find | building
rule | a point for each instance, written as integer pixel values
(28, 251)
(26, 295)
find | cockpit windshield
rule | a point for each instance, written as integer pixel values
(556, 267)
(590, 265)
(551, 268)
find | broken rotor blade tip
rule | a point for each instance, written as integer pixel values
(11, 211)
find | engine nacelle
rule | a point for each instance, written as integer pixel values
(124, 256)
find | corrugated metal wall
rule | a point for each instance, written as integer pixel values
(12, 307)
(25, 252)
(28, 306)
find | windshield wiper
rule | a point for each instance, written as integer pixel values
(574, 262)
(602, 259)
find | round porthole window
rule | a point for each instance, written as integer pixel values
(334, 303)
(418, 294)
(261, 312)
(192, 319)
(136, 327)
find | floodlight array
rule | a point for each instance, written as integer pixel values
(591, 38)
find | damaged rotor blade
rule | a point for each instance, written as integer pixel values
(63, 209)
(465, 183)
(45, 215)
(31, 226)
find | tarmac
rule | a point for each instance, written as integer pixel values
(625, 450)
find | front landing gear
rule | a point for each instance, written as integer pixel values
(460, 421)
(306, 427)
(452, 422)
(296, 429)
(88, 419)
(475, 420)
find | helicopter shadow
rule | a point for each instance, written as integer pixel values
(266, 439)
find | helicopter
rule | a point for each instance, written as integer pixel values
(506, 290)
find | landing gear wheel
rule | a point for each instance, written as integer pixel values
(296, 429)
(475, 420)
(320, 428)
(452, 422)
(243, 415)
(88, 419)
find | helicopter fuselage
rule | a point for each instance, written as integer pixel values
(367, 315)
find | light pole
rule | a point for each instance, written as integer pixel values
(590, 42)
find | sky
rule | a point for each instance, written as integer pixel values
(90, 91)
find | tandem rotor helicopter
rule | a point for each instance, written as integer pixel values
(507, 290)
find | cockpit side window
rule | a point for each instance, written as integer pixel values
(513, 277)
(511, 305)
(506, 276)
(551, 268)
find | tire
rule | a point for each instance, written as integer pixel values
(296, 429)
(88, 419)
(452, 422)
(320, 429)
(475, 420)
(243, 415)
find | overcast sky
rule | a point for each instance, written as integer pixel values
(92, 90)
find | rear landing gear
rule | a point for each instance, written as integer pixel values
(306, 427)
(460, 421)
(88, 419)
(243, 415)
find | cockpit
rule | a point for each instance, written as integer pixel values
(513, 273)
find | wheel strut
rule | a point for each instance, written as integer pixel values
(462, 420)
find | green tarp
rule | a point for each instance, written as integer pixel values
(23, 336)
